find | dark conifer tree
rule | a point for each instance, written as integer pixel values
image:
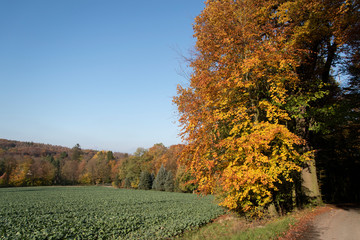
(76, 152)
(159, 182)
(169, 182)
(146, 181)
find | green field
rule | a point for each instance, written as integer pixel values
(100, 213)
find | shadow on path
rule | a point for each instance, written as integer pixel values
(341, 223)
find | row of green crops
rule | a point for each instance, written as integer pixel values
(100, 213)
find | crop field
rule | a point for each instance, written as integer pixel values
(100, 213)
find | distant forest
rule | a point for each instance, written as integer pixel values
(35, 164)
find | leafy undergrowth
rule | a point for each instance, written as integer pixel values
(231, 227)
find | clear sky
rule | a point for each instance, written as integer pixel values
(101, 73)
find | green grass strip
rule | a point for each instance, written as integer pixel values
(225, 230)
(272, 230)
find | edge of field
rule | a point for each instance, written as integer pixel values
(231, 226)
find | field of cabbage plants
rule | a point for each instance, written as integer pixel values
(100, 213)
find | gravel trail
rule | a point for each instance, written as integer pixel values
(341, 223)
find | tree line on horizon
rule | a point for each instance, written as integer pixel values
(32, 164)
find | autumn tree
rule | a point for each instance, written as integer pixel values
(70, 171)
(114, 171)
(261, 76)
(21, 175)
(7, 166)
(184, 180)
(103, 167)
(155, 157)
(131, 168)
(170, 157)
(42, 172)
(2, 172)
(97, 169)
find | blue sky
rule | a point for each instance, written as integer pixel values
(101, 73)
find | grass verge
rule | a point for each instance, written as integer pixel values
(271, 230)
(231, 227)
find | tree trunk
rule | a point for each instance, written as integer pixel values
(309, 182)
(310, 186)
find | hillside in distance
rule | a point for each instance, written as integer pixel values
(19, 148)
(36, 164)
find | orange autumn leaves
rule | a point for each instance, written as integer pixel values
(259, 160)
(233, 112)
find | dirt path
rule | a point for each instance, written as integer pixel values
(341, 223)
